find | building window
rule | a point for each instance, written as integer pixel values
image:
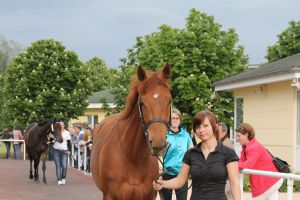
(92, 120)
(238, 113)
(298, 117)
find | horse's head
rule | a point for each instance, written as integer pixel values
(57, 128)
(154, 102)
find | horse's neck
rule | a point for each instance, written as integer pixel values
(44, 130)
(132, 139)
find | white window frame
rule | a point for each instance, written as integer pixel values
(93, 116)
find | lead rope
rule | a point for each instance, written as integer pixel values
(164, 171)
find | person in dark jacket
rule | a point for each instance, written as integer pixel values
(7, 135)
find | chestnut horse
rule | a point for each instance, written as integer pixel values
(123, 161)
(37, 144)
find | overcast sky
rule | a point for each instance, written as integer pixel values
(108, 28)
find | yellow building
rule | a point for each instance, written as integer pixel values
(268, 97)
(94, 112)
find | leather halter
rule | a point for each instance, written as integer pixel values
(146, 125)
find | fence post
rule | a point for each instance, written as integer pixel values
(241, 178)
(78, 157)
(84, 157)
(24, 149)
(72, 150)
(290, 184)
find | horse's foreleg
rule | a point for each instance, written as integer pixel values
(44, 157)
(44, 170)
(30, 169)
(108, 197)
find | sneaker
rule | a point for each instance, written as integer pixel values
(63, 181)
(59, 182)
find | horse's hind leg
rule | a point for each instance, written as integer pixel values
(36, 170)
(44, 157)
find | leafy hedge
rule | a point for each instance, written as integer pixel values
(283, 188)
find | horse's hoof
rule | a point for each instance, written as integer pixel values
(45, 182)
(30, 176)
(36, 180)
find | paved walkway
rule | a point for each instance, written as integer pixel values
(15, 184)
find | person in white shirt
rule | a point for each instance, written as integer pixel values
(60, 155)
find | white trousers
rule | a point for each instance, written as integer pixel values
(272, 193)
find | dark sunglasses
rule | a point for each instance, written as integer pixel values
(242, 130)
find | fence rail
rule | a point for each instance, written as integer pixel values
(290, 179)
(12, 140)
(80, 155)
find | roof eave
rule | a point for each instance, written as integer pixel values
(265, 79)
(100, 105)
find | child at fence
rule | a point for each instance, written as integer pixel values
(78, 142)
(88, 138)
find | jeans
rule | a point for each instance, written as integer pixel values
(61, 163)
(181, 193)
(7, 145)
(17, 151)
(50, 154)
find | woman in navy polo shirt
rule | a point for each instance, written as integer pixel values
(179, 142)
(210, 164)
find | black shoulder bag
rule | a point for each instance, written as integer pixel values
(281, 165)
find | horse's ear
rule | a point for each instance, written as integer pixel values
(166, 72)
(141, 74)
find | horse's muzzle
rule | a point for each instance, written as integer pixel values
(158, 150)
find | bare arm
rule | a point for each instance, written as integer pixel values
(233, 176)
(176, 182)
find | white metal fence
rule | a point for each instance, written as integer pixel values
(79, 155)
(12, 140)
(290, 179)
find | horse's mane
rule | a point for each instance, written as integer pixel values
(42, 123)
(31, 125)
(137, 86)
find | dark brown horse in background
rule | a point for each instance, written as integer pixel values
(37, 144)
(122, 161)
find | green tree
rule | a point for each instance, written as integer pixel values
(288, 43)
(45, 81)
(101, 75)
(200, 54)
(120, 86)
(9, 49)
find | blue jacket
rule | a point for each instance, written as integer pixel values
(179, 143)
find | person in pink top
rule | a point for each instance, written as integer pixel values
(17, 135)
(255, 156)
